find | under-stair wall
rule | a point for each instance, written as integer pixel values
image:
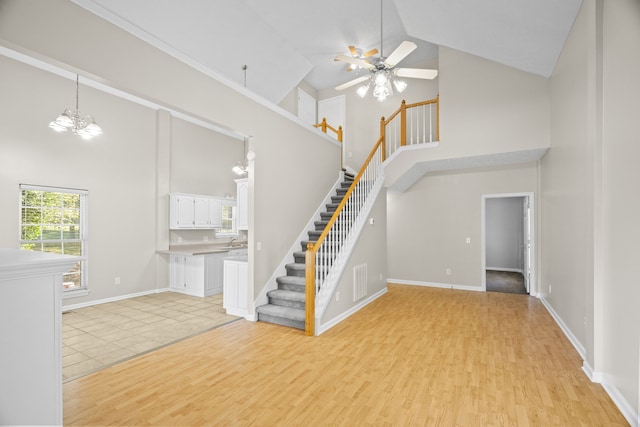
(370, 250)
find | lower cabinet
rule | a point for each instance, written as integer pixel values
(197, 275)
(236, 281)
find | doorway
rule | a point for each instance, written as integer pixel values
(508, 243)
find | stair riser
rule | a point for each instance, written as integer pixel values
(291, 287)
(280, 321)
(286, 303)
(295, 272)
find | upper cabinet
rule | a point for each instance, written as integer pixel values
(193, 211)
(242, 209)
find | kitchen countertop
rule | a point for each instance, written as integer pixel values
(200, 249)
(239, 258)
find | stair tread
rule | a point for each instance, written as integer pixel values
(279, 311)
(295, 266)
(287, 295)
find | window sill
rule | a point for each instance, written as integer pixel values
(75, 293)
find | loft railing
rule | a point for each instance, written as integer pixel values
(324, 126)
(410, 124)
(324, 256)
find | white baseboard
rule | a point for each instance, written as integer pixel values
(320, 328)
(572, 338)
(437, 285)
(632, 417)
(112, 299)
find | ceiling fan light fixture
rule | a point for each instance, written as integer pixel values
(380, 78)
(400, 85)
(363, 90)
(381, 92)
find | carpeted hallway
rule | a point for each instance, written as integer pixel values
(505, 281)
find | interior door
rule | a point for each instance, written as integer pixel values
(527, 243)
(307, 107)
(333, 109)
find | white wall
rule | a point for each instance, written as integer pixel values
(126, 63)
(429, 223)
(486, 107)
(118, 169)
(589, 214)
(504, 233)
(621, 231)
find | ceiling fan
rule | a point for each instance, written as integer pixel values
(382, 71)
(358, 53)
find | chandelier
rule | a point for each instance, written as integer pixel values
(85, 127)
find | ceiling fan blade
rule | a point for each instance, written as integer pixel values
(353, 50)
(355, 61)
(352, 83)
(416, 73)
(370, 53)
(400, 53)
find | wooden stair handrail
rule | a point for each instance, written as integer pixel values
(324, 126)
(402, 110)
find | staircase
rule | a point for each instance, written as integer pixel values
(287, 303)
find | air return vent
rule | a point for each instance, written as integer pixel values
(359, 282)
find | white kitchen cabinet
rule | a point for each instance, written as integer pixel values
(242, 208)
(214, 266)
(181, 211)
(215, 212)
(236, 285)
(190, 211)
(186, 274)
(199, 275)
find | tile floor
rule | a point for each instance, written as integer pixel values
(102, 335)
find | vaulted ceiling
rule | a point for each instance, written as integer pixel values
(285, 42)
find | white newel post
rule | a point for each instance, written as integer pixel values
(31, 336)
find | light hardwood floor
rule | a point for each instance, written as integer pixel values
(415, 356)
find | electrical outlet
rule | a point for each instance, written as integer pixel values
(448, 272)
(259, 246)
(205, 238)
(338, 296)
(549, 288)
(179, 239)
(117, 281)
(381, 276)
(468, 240)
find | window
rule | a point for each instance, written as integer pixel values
(228, 219)
(54, 220)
